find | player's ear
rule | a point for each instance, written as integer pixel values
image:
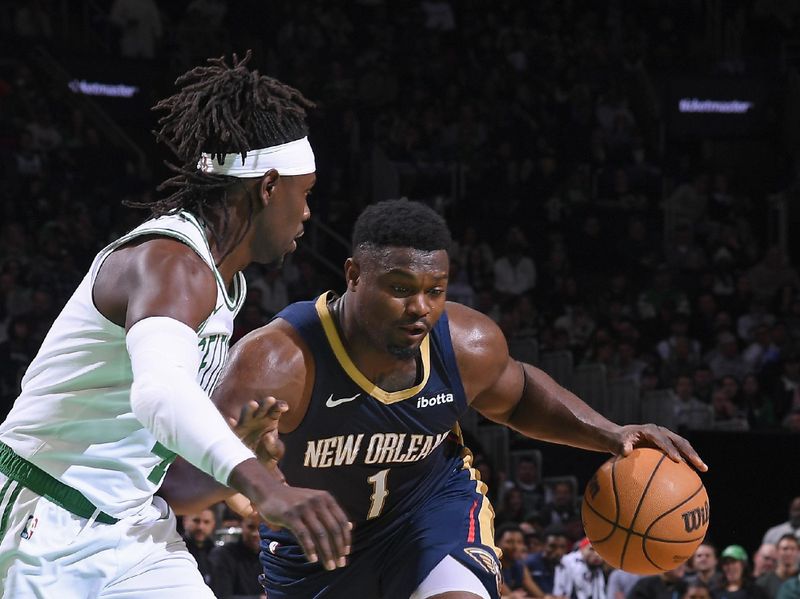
(266, 187)
(352, 271)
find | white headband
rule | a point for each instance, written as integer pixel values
(293, 158)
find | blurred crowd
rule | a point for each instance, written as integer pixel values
(575, 228)
(537, 129)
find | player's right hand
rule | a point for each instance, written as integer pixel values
(316, 520)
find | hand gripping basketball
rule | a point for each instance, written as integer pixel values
(627, 438)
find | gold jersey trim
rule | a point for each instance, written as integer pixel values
(335, 341)
(486, 511)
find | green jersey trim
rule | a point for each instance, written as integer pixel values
(235, 302)
(37, 480)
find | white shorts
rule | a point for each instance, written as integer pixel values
(47, 552)
(450, 575)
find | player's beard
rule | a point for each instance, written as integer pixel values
(403, 353)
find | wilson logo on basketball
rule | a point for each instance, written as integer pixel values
(694, 519)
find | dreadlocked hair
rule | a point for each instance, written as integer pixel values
(400, 223)
(221, 110)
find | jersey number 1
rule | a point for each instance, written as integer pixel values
(379, 493)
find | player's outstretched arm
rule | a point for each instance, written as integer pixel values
(526, 399)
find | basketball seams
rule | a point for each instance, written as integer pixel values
(616, 495)
(646, 537)
(634, 533)
(615, 523)
(638, 508)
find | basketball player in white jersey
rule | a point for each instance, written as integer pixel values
(120, 385)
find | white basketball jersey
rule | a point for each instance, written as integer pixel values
(73, 418)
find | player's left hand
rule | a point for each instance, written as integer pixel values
(677, 448)
(257, 427)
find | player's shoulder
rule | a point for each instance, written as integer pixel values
(170, 258)
(272, 360)
(277, 341)
(154, 276)
(479, 346)
(472, 332)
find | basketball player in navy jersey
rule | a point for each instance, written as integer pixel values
(375, 381)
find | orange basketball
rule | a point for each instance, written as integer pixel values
(645, 513)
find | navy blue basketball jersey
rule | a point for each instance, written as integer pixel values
(379, 453)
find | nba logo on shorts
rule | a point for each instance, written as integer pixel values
(27, 532)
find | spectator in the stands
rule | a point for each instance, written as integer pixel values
(517, 581)
(757, 405)
(459, 288)
(236, 566)
(543, 565)
(765, 559)
(512, 508)
(786, 389)
(527, 480)
(199, 538)
(666, 585)
(772, 274)
(737, 580)
(757, 315)
(761, 350)
(514, 270)
(696, 590)
(788, 548)
(562, 509)
(725, 359)
(682, 253)
(680, 360)
(690, 412)
(140, 26)
(620, 584)
(791, 526)
(581, 574)
(678, 329)
(703, 567)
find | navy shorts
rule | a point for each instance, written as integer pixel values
(458, 520)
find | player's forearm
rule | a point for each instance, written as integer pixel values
(166, 398)
(253, 480)
(189, 490)
(550, 412)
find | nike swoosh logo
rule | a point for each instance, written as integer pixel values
(332, 403)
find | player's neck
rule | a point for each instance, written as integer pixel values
(229, 260)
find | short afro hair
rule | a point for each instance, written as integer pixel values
(506, 528)
(401, 223)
